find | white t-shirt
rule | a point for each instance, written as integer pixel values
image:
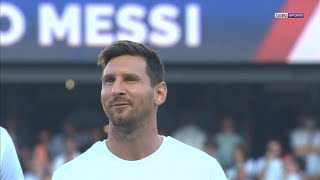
(293, 176)
(249, 168)
(316, 139)
(9, 163)
(313, 164)
(173, 160)
(274, 170)
(301, 138)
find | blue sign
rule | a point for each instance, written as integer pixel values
(181, 31)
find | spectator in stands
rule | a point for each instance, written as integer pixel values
(57, 144)
(70, 153)
(226, 140)
(293, 168)
(301, 138)
(40, 164)
(17, 134)
(316, 141)
(313, 156)
(270, 166)
(96, 134)
(190, 133)
(305, 142)
(242, 167)
(312, 165)
(44, 139)
(210, 147)
(25, 156)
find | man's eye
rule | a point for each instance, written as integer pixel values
(109, 80)
(131, 79)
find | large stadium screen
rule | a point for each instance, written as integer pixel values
(231, 32)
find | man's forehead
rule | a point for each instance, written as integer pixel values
(126, 64)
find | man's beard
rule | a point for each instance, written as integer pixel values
(126, 120)
(131, 120)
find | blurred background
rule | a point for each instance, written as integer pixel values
(243, 85)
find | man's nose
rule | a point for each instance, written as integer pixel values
(118, 88)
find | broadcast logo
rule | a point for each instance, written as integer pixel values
(289, 15)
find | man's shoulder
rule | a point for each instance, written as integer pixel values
(180, 149)
(5, 138)
(178, 146)
(85, 160)
(193, 159)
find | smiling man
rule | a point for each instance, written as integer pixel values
(133, 88)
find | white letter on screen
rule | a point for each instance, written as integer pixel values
(17, 24)
(193, 25)
(166, 32)
(98, 24)
(130, 22)
(51, 26)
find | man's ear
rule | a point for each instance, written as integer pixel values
(160, 93)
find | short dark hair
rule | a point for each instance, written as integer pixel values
(155, 67)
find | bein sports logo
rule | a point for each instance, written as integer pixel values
(288, 15)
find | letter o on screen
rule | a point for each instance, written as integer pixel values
(17, 24)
